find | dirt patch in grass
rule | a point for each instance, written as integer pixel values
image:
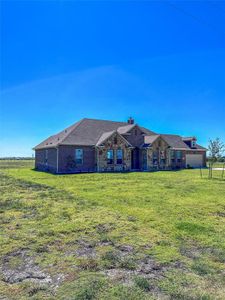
(19, 266)
(85, 249)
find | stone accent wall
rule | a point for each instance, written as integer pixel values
(135, 137)
(113, 143)
(158, 155)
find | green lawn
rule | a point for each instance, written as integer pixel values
(111, 236)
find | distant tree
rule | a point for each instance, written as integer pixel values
(216, 149)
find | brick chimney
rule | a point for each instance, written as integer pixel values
(130, 120)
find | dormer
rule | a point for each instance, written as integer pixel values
(190, 141)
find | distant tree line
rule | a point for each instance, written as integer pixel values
(16, 158)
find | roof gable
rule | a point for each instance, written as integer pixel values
(149, 139)
(173, 141)
(104, 137)
(107, 135)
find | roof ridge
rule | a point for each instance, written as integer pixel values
(171, 134)
(105, 120)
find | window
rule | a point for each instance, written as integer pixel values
(135, 132)
(193, 144)
(109, 157)
(179, 155)
(119, 156)
(79, 156)
(172, 155)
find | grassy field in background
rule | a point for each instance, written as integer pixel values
(11, 163)
(217, 165)
(111, 236)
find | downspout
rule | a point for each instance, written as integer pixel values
(97, 162)
(146, 159)
(96, 158)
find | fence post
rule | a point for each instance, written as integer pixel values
(201, 171)
(209, 175)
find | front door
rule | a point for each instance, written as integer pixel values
(135, 161)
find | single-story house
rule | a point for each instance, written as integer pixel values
(106, 146)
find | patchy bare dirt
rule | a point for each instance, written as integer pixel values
(85, 249)
(18, 266)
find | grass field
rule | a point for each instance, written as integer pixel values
(111, 236)
(217, 165)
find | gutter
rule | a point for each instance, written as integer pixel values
(190, 149)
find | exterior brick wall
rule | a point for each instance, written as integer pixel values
(66, 159)
(46, 162)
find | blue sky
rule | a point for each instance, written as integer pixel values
(162, 62)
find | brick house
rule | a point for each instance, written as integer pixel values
(106, 146)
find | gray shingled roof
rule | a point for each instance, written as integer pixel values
(90, 132)
(104, 137)
(174, 141)
(149, 139)
(200, 147)
(125, 129)
(85, 132)
(58, 138)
